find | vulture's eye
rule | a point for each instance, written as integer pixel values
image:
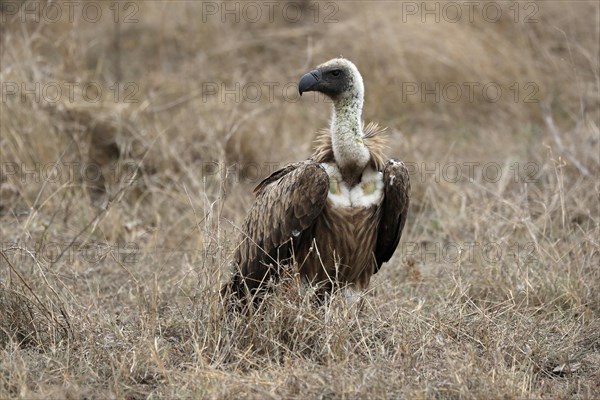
(335, 72)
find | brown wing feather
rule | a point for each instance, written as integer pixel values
(394, 210)
(287, 204)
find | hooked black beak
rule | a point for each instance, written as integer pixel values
(309, 81)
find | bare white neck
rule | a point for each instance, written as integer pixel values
(349, 149)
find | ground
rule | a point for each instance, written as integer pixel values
(133, 133)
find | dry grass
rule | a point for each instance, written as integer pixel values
(109, 287)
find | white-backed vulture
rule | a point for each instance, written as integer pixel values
(336, 216)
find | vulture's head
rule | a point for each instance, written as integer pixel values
(337, 79)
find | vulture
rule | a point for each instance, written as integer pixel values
(335, 217)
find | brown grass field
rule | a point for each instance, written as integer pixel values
(133, 133)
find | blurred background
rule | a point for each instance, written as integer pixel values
(182, 93)
(137, 131)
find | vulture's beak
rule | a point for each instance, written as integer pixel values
(309, 81)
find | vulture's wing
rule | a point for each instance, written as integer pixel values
(394, 210)
(287, 204)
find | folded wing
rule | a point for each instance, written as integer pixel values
(287, 204)
(394, 210)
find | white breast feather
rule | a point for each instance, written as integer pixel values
(367, 193)
(342, 198)
(361, 198)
